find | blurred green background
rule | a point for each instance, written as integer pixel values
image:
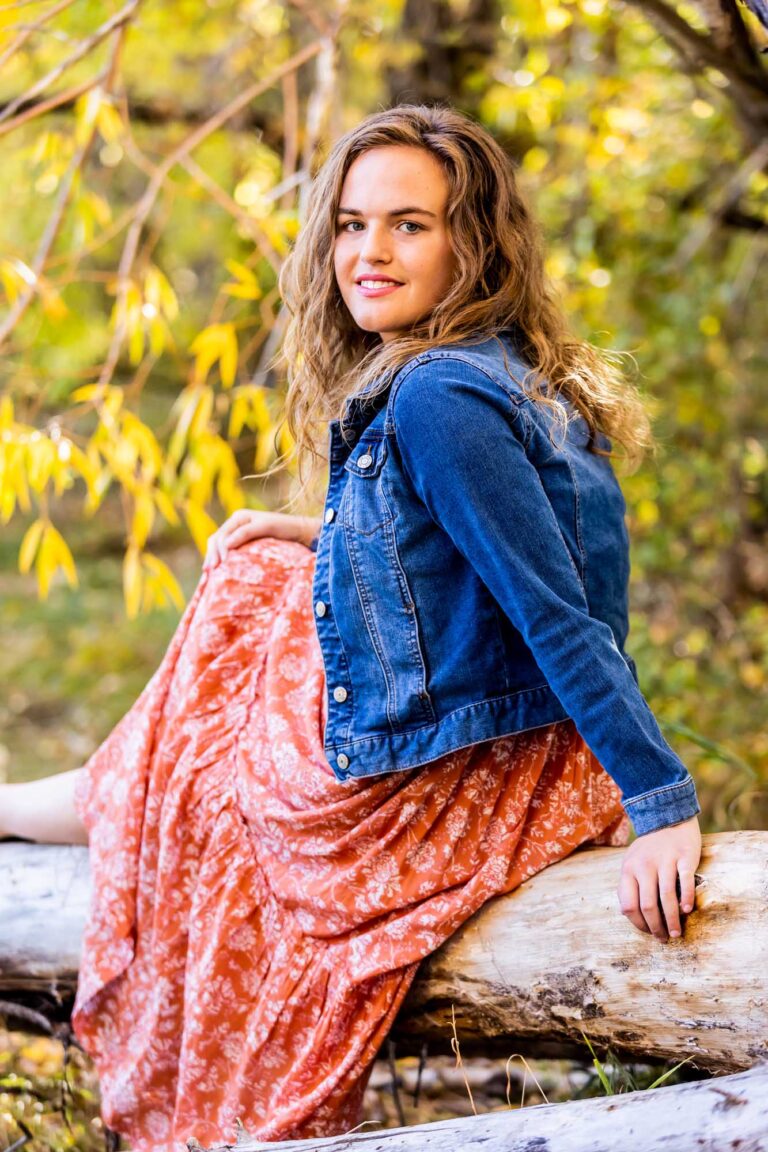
(156, 157)
(643, 166)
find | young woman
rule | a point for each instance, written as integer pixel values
(370, 723)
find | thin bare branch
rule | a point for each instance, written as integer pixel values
(315, 18)
(23, 36)
(152, 191)
(728, 196)
(62, 199)
(68, 96)
(290, 133)
(699, 47)
(108, 28)
(19, 4)
(225, 201)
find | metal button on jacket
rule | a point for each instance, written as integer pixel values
(329, 515)
(365, 461)
(342, 761)
(321, 608)
(340, 694)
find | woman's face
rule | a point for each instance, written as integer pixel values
(391, 229)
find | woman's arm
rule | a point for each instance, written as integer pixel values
(462, 442)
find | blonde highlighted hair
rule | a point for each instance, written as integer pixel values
(500, 284)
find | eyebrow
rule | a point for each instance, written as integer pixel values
(395, 212)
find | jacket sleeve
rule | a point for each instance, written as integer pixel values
(462, 439)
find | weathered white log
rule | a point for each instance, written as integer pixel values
(549, 961)
(555, 959)
(44, 897)
(729, 1112)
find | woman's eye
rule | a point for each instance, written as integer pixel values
(352, 225)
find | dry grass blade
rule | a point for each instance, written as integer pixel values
(459, 1062)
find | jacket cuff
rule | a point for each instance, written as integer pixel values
(663, 806)
(313, 543)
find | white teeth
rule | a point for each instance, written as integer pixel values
(377, 283)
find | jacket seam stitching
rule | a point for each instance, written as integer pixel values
(425, 358)
(686, 783)
(456, 711)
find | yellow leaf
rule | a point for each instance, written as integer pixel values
(46, 563)
(165, 504)
(10, 282)
(132, 582)
(262, 421)
(242, 291)
(29, 545)
(186, 403)
(157, 331)
(238, 414)
(143, 517)
(165, 579)
(87, 392)
(144, 441)
(135, 341)
(159, 293)
(245, 285)
(217, 342)
(241, 272)
(86, 111)
(202, 413)
(200, 524)
(40, 457)
(62, 556)
(109, 123)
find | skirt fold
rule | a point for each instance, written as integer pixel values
(256, 923)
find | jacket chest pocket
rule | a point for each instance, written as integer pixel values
(364, 506)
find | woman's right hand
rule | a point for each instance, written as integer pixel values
(249, 524)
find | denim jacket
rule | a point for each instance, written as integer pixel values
(471, 581)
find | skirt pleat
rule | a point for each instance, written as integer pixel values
(256, 923)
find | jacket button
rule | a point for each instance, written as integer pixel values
(329, 515)
(321, 608)
(365, 461)
(342, 761)
(340, 694)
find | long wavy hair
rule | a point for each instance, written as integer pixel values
(500, 284)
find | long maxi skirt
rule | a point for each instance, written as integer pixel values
(256, 923)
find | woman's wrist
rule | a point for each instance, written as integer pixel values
(308, 528)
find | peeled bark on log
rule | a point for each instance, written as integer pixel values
(549, 961)
(730, 1112)
(555, 959)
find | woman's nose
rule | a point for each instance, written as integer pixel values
(376, 244)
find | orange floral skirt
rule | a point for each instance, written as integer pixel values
(255, 922)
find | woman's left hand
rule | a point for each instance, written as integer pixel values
(649, 874)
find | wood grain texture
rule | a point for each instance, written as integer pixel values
(555, 959)
(545, 963)
(729, 1112)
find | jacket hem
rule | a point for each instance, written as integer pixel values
(485, 720)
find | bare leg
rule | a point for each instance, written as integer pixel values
(42, 810)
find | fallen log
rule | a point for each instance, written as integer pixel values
(729, 1112)
(555, 959)
(550, 962)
